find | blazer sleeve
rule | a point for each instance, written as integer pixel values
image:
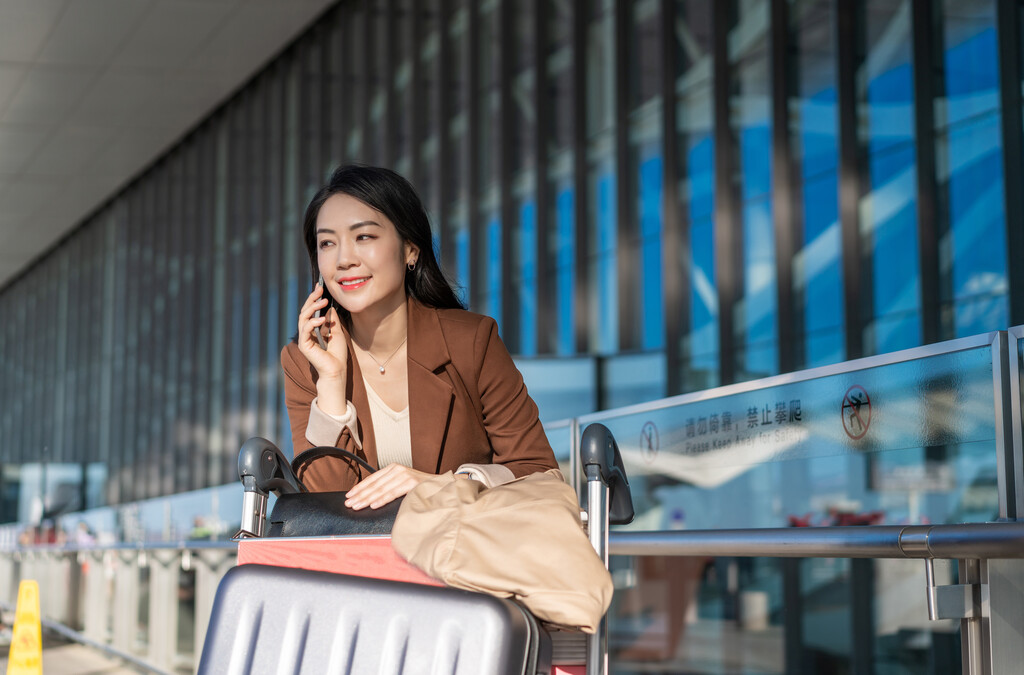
(324, 473)
(510, 416)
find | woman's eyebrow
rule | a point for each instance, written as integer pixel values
(353, 226)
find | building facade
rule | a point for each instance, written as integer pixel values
(656, 197)
(652, 198)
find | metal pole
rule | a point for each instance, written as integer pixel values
(597, 527)
(954, 542)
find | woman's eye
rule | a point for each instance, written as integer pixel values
(365, 237)
(325, 243)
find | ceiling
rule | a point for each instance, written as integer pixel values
(92, 91)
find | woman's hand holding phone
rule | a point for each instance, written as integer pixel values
(330, 361)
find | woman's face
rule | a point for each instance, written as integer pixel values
(360, 255)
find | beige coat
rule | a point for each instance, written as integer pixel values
(467, 403)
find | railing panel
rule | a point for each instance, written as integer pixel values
(1015, 449)
(909, 436)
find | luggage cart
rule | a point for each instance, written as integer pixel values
(350, 604)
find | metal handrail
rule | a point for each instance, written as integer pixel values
(954, 542)
(958, 542)
(180, 545)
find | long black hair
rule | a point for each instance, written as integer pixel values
(385, 191)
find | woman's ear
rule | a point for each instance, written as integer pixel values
(412, 254)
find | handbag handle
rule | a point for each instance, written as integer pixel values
(329, 451)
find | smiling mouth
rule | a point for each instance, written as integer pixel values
(352, 284)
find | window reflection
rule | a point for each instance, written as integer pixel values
(560, 240)
(602, 204)
(750, 122)
(523, 254)
(970, 170)
(695, 152)
(889, 209)
(817, 267)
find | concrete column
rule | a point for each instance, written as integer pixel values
(211, 566)
(9, 569)
(126, 600)
(98, 573)
(164, 568)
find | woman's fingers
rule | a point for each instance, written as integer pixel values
(337, 348)
(384, 486)
(308, 322)
(314, 299)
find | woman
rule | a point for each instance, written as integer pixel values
(407, 379)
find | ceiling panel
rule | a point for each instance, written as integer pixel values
(172, 32)
(18, 145)
(48, 94)
(92, 92)
(11, 75)
(90, 33)
(20, 199)
(69, 151)
(24, 25)
(115, 97)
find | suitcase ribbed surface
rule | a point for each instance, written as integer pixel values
(282, 620)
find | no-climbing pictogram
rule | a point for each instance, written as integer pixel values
(649, 442)
(856, 412)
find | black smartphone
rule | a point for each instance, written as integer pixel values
(316, 331)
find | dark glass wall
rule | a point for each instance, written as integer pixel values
(666, 195)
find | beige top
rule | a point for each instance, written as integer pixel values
(390, 429)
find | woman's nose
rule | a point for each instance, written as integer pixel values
(346, 255)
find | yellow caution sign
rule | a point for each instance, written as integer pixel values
(26, 656)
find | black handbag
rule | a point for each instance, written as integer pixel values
(322, 514)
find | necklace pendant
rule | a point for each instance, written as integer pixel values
(382, 370)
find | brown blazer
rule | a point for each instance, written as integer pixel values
(467, 403)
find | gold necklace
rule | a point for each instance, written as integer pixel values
(381, 365)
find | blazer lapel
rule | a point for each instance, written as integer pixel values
(430, 392)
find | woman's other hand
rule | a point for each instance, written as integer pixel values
(331, 364)
(384, 486)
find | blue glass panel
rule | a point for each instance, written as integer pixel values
(890, 89)
(462, 261)
(704, 296)
(892, 222)
(971, 58)
(750, 119)
(820, 261)
(605, 272)
(817, 267)
(701, 177)
(897, 331)
(824, 347)
(632, 378)
(566, 269)
(528, 284)
(977, 215)
(760, 301)
(818, 130)
(755, 148)
(651, 298)
(969, 146)
(493, 272)
(561, 387)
